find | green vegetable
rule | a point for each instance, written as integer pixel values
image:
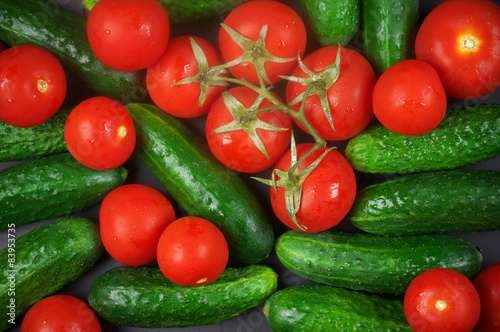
(200, 184)
(44, 260)
(144, 297)
(51, 187)
(436, 202)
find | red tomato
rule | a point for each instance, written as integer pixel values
(33, 85)
(99, 133)
(128, 34)
(60, 313)
(286, 37)
(328, 192)
(443, 300)
(349, 97)
(179, 62)
(409, 98)
(132, 218)
(487, 284)
(460, 38)
(236, 149)
(192, 251)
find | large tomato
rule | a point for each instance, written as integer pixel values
(487, 284)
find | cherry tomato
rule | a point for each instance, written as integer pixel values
(409, 98)
(132, 218)
(460, 39)
(237, 148)
(128, 34)
(487, 284)
(285, 38)
(99, 133)
(33, 85)
(60, 313)
(192, 251)
(441, 299)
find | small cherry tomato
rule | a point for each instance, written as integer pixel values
(487, 284)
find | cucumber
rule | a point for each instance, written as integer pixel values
(64, 34)
(327, 308)
(436, 202)
(378, 264)
(200, 184)
(51, 187)
(389, 29)
(44, 260)
(144, 297)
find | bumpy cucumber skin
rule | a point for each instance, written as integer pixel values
(200, 184)
(389, 29)
(465, 136)
(372, 263)
(143, 297)
(46, 259)
(52, 187)
(328, 308)
(435, 202)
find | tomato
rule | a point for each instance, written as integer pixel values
(192, 251)
(60, 313)
(177, 63)
(487, 284)
(349, 97)
(238, 148)
(286, 38)
(131, 220)
(441, 299)
(409, 98)
(99, 133)
(128, 34)
(33, 85)
(460, 39)
(328, 192)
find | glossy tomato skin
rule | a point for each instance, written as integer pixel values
(459, 38)
(350, 97)
(128, 35)
(327, 193)
(131, 220)
(100, 133)
(33, 85)
(235, 149)
(441, 299)
(409, 98)
(487, 284)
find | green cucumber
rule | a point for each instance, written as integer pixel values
(200, 184)
(51, 187)
(44, 260)
(367, 262)
(327, 308)
(389, 29)
(144, 297)
(435, 202)
(466, 135)
(64, 34)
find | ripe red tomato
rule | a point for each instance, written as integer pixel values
(128, 34)
(441, 299)
(99, 133)
(460, 39)
(132, 218)
(60, 313)
(286, 37)
(236, 149)
(328, 192)
(179, 62)
(192, 251)
(350, 97)
(487, 284)
(33, 85)
(409, 98)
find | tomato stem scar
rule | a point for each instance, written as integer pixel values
(469, 43)
(42, 85)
